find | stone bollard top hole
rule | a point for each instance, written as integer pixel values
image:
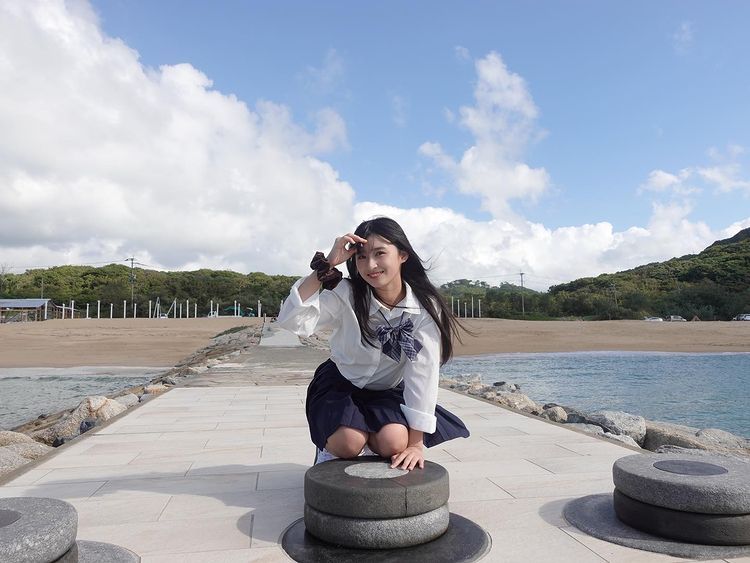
(374, 470)
(8, 517)
(684, 467)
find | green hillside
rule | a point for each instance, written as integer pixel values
(712, 285)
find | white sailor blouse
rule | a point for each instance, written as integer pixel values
(407, 346)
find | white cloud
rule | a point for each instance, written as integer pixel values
(682, 39)
(661, 181)
(726, 178)
(101, 157)
(496, 250)
(328, 77)
(502, 122)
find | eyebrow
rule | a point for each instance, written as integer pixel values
(361, 251)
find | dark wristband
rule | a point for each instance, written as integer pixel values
(327, 275)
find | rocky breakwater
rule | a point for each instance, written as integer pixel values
(36, 438)
(627, 428)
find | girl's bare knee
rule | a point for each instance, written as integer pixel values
(346, 442)
(392, 439)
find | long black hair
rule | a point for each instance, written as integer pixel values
(414, 273)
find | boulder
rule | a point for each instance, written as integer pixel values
(96, 407)
(722, 439)
(590, 428)
(667, 434)
(127, 400)
(10, 460)
(155, 389)
(618, 422)
(478, 388)
(7, 437)
(503, 386)
(517, 401)
(625, 439)
(659, 434)
(555, 414)
(196, 369)
(29, 450)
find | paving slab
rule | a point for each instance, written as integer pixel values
(213, 471)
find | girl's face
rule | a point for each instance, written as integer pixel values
(379, 264)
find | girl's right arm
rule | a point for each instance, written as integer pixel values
(306, 310)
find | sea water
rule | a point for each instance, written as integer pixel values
(699, 390)
(25, 393)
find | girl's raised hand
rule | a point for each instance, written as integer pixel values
(344, 248)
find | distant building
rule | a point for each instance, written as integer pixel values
(22, 310)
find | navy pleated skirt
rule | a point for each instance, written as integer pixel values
(333, 401)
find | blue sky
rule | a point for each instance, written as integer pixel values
(574, 137)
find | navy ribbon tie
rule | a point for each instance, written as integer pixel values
(397, 338)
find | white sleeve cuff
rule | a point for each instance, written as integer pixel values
(297, 316)
(419, 420)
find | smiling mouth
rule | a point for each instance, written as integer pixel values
(374, 274)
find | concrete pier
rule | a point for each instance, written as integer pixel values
(213, 472)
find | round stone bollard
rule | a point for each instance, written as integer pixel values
(363, 510)
(43, 530)
(364, 503)
(685, 505)
(699, 500)
(36, 529)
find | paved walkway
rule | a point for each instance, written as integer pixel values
(214, 474)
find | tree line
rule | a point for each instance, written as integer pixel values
(712, 285)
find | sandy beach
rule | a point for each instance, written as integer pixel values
(163, 342)
(109, 342)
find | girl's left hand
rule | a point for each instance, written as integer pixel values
(411, 457)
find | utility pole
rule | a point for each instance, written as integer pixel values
(523, 308)
(132, 278)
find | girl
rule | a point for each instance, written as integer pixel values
(391, 332)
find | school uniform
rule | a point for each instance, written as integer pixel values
(364, 386)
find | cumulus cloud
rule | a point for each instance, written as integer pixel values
(101, 157)
(502, 122)
(496, 250)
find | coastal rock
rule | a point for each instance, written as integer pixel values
(518, 401)
(127, 400)
(477, 388)
(86, 425)
(624, 438)
(8, 437)
(659, 434)
(667, 434)
(29, 450)
(155, 389)
(10, 460)
(722, 439)
(575, 416)
(197, 369)
(589, 428)
(503, 386)
(555, 414)
(618, 422)
(96, 407)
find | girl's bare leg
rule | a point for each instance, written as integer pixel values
(391, 439)
(346, 442)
